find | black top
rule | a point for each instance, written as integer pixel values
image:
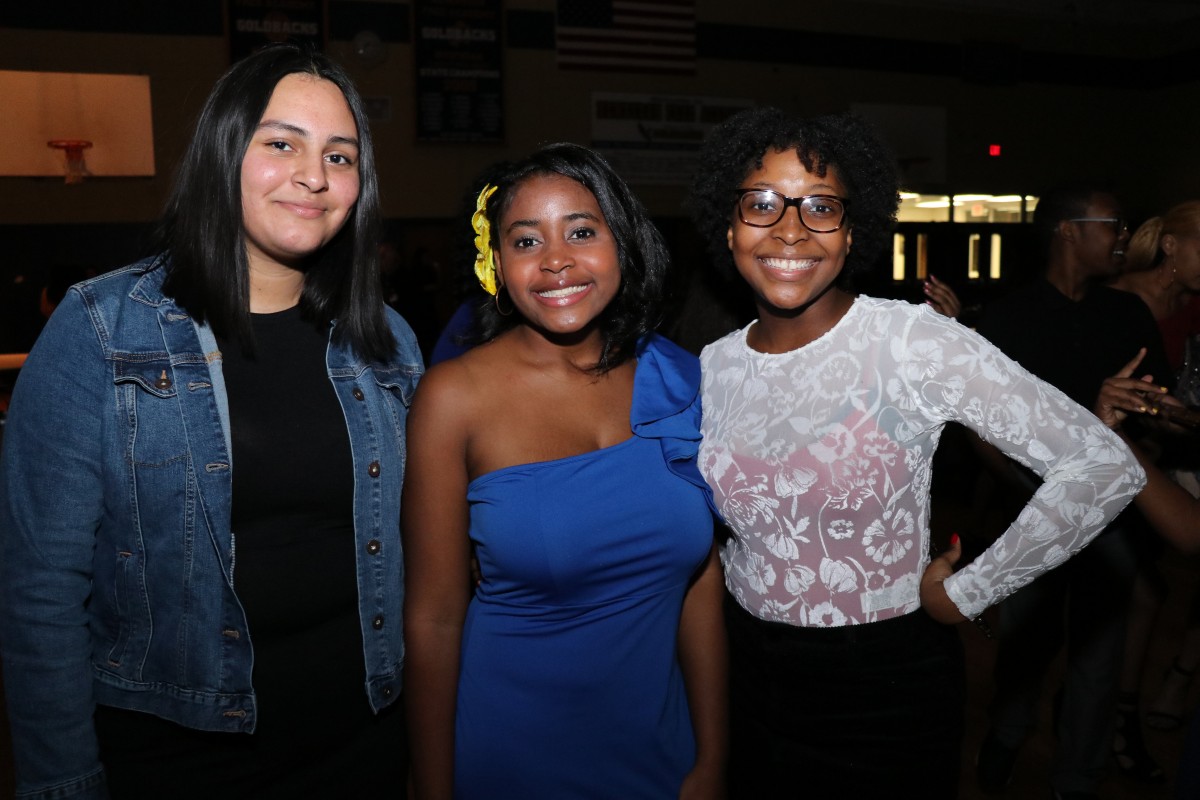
(1075, 345)
(293, 490)
(294, 572)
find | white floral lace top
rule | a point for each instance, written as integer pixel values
(820, 461)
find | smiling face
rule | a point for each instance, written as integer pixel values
(1099, 245)
(299, 177)
(789, 268)
(556, 255)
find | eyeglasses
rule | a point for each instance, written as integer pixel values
(820, 213)
(1118, 224)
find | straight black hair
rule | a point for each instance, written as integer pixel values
(203, 235)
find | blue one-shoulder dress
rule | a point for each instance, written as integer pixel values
(570, 685)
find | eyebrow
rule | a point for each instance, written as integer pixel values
(829, 189)
(532, 223)
(287, 127)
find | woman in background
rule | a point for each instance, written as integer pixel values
(1174, 513)
(1162, 267)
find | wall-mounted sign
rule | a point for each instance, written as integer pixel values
(654, 139)
(459, 77)
(254, 23)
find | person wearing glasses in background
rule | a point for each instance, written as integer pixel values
(820, 420)
(1071, 330)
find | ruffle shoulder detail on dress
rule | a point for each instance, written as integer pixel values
(666, 405)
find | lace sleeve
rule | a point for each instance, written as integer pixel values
(1088, 474)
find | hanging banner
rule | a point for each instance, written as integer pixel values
(459, 77)
(654, 140)
(254, 23)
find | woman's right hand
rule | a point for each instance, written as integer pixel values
(703, 782)
(934, 599)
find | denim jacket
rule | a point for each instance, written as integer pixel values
(117, 568)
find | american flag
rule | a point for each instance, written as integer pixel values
(627, 35)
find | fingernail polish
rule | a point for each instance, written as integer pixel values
(953, 539)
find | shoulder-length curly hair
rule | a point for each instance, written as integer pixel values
(202, 229)
(641, 252)
(843, 142)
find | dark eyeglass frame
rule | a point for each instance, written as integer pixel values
(1118, 224)
(788, 202)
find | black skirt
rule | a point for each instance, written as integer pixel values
(873, 710)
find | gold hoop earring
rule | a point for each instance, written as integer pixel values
(496, 300)
(1171, 279)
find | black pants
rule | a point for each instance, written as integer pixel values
(152, 758)
(871, 710)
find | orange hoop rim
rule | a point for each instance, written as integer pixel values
(69, 144)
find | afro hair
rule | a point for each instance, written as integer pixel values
(843, 142)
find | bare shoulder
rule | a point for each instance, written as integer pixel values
(459, 389)
(440, 408)
(441, 379)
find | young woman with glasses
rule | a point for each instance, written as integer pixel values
(820, 421)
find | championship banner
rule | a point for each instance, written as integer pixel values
(254, 23)
(459, 77)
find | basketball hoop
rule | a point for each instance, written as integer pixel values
(73, 148)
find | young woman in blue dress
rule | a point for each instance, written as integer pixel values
(588, 659)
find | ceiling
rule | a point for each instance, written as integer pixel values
(1101, 12)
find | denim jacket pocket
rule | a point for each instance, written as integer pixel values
(118, 609)
(158, 489)
(148, 403)
(399, 381)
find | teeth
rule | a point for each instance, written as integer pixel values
(791, 264)
(564, 292)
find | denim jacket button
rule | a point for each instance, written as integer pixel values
(358, 393)
(377, 623)
(373, 469)
(163, 381)
(373, 547)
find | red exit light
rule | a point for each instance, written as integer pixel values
(993, 150)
